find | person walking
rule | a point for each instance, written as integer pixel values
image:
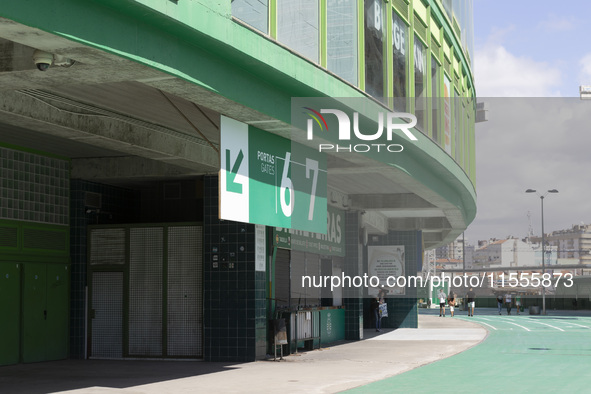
(382, 295)
(451, 301)
(500, 303)
(518, 303)
(441, 296)
(508, 302)
(470, 296)
(383, 307)
(375, 308)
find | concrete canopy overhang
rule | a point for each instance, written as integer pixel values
(122, 122)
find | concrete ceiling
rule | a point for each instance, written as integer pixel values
(19, 136)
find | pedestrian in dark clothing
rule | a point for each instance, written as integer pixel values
(470, 299)
(375, 308)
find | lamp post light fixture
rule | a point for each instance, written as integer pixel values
(543, 243)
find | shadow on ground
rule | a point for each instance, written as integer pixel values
(66, 375)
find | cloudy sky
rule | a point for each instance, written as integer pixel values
(530, 58)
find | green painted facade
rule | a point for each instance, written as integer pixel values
(201, 42)
(35, 289)
(198, 41)
(10, 279)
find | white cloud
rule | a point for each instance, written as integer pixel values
(585, 77)
(556, 24)
(539, 143)
(499, 34)
(499, 73)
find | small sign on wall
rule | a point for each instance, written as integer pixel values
(260, 248)
(387, 263)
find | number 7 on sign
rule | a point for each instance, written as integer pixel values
(312, 165)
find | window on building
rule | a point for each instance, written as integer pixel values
(463, 132)
(341, 32)
(374, 48)
(420, 83)
(458, 127)
(297, 26)
(435, 98)
(467, 122)
(447, 114)
(399, 56)
(254, 13)
(447, 6)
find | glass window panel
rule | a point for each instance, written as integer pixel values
(297, 26)
(447, 115)
(457, 125)
(342, 38)
(467, 118)
(374, 48)
(462, 131)
(435, 98)
(447, 6)
(399, 56)
(420, 83)
(463, 12)
(253, 12)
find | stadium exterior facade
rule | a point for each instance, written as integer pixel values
(113, 163)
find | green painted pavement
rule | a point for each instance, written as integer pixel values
(522, 354)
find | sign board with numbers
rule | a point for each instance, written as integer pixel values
(266, 179)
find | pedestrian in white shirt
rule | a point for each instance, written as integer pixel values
(442, 298)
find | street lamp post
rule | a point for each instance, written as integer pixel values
(543, 244)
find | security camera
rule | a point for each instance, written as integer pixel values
(62, 61)
(42, 59)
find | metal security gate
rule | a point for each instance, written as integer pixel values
(107, 315)
(184, 303)
(282, 278)
(146, 291)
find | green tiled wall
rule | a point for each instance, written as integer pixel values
(235, 305)
(353, 297)
(34, 188)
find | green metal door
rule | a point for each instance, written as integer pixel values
(57, 312)
(10, 307)
(34, 312)
(45, 312)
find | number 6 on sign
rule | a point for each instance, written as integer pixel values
(286, 185)
(312, 165)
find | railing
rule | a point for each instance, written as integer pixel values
(312, 328)
(304, 325)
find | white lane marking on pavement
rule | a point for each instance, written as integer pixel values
(546, 324)
(575, 324)
(483, 318)
(515, 324)
(486, 324)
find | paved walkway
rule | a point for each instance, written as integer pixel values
(329, 370)
(522, 354)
